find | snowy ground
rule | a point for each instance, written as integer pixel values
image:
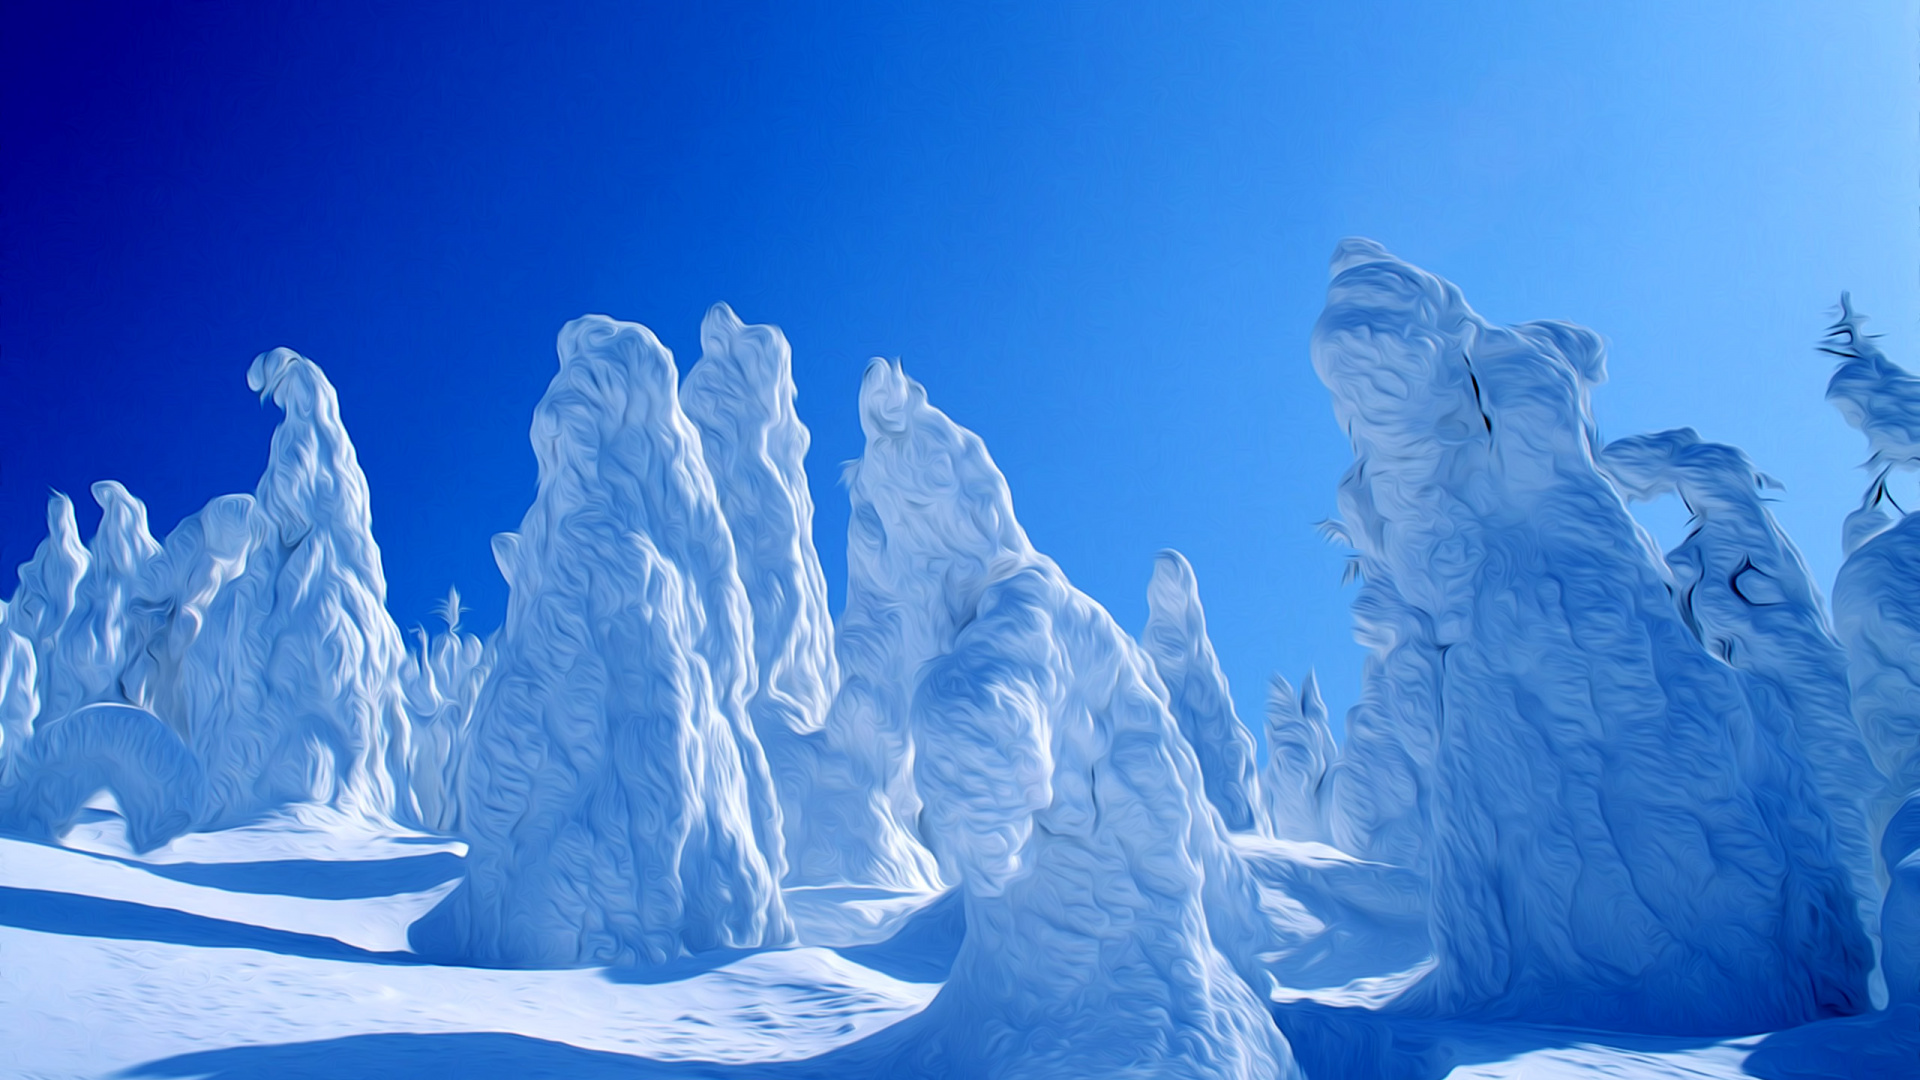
(279, 951)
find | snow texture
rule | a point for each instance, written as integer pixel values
(258, 634)
(19, 700)
(1623, 834)
(1337, 920)
(616, 800)
(1378, 789)
(1098, 881)
(1586, 784)
(1877, 614)
(1300, 749)
(740, 395)
(1176, 639)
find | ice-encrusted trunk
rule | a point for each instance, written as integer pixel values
(1111, 931)
(1744, 590)
(1300, 749)
(838, 831)
(290, 689)
(615, 800)
(104, 633)
(1176, 639)
(1618, 838)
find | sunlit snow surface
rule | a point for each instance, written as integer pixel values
(1602, 811)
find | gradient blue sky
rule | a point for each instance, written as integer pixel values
(1097, 232)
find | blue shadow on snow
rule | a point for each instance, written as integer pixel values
(90, 916)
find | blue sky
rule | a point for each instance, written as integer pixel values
(1097, 232)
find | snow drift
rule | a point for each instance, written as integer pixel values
(615, 798)
(1619, 836)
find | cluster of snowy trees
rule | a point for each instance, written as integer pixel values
(1588, 783)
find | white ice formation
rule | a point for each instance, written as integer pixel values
(1900, 915)
(291, 687)
(442, 677)
(1585, 783)
(840, 829)
(1745, 592)
(1176, 639)
(1875, 606)
(1622, 832)
(156, 782)
(615, 799)
(103, 632)
(1877, 615)
(49, 583)
(1300, 749)
(1110, 929)
(257, 635)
